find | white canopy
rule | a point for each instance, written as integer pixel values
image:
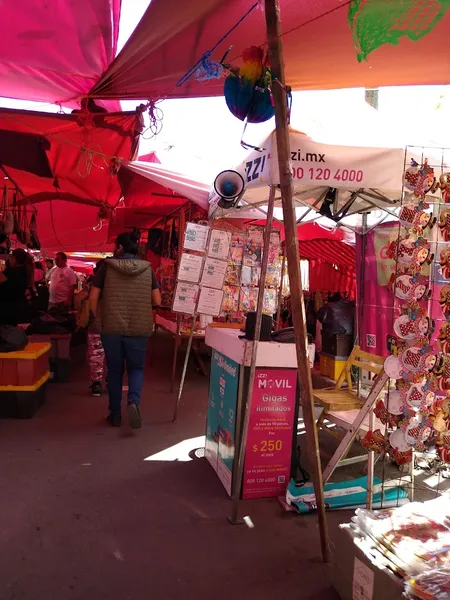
(185, 186)
(366, 179)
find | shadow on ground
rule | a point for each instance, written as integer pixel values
(85, 517)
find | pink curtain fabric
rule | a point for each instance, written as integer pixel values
(55, 51)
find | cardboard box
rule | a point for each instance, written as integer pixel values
(355, 577)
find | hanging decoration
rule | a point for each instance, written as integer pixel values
(416, 411)
(374, 24)
(247, 90)
(208, 69)
(420, 179)
(155, 115)
(415, 217)
(444, 186)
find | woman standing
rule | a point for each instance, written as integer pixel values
(16, 288)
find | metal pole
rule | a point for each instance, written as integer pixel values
(273, 25)
(251, 379)
(361, 291)
(185, 365)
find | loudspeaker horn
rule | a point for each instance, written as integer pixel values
(229, 186)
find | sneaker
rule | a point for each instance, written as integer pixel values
(114, 420)
(96, 389)
(134, 416)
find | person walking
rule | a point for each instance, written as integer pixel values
(128, 290)
(62, 282)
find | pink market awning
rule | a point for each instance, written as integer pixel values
(59, 157)
(55, 51)
(70, 227)
(319, 51)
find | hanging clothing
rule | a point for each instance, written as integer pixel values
(96, 357)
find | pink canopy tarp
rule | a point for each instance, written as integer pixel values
(71, 227)
(319, 50)
(55, 51)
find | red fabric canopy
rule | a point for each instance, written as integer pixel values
(62, 167)
(69, 227)
(54, 51)
(319, 52)
(330, 251)
(151, 158)
(332, 264)
(54, 157)
(323, 277)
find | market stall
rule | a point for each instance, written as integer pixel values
(375, 186)
(220, 277)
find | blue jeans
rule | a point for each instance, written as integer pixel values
(124, 352)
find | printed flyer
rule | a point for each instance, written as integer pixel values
(221, 421)
(269, 444)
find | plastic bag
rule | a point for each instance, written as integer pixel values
(12, 339)
(433, 584)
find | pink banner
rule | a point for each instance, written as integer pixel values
(378, 300)
(269, 444)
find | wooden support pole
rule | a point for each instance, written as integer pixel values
(273, 25)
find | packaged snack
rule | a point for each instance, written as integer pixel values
(273, 275)
(255, 276)
(233, 275)
(256, 235)
(238, 242)
(253, 254)
(433, 584)
(230, 299)
(246, 275)
(274, 247)
(248, 299)
(270, 302)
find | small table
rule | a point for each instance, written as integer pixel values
(174, 328)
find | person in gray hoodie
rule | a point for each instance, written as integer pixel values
(128, 291)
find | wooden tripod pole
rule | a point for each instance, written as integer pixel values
(273, 25)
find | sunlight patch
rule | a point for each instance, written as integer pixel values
(180, 451)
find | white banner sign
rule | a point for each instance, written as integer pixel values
(347, 167)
